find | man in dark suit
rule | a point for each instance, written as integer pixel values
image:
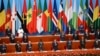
(75, 36)
(18, 47)
(96, 43)
(40, 45)
(81, 29)
(3, 48)
(55, 45)
(62, 36)
(97, 34)
(82, 43)
(91, 28)
(69, 44)
(25, 38)
(29, 46)
(12, 38)
(8, 32)
(69, 30)
(86, 34)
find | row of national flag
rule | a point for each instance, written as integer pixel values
(33, 18)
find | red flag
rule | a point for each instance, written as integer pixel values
(8, 16)
(34, 18)
(24, 8)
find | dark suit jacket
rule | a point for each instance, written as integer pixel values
(18, 47)
(81, 29)
(91, 29)
(55, 46)
(69, 44)
(86, 35)
(96, 44)
(82, 43)
(12, 39)
(40, 46)
(29, 47)
(25, 38)
(97, 35)
(75, 36)
(8, 32)
(3, 48)
(62, 36)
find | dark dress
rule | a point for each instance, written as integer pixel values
(29, 47)
(18, 47)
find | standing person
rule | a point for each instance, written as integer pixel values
(12, 38)
(62, 36)
(18, 47)
(20, 32)
(25, 38)
(29, 46)
(91, 27)
(96, 43)
(97, 34)
(69, 44)
(86, 34)
(75, 36)
(82, 43)
(40, 45)
(8, 32)
(55, 45)
(3, 48)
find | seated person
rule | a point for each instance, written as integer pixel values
(18, 47)
(25, 38)
(97, 34)
(81, 29)
(82, 43)
(62, 36)
(91, 28)
(29, 46)
(96, 43)
(86, 34)
(3, 48)
(20, 32)
(69, 44)
(75, 36)
(12, 38)
(40, 45)
(8, 32)
(55, 45)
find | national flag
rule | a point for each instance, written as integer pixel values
(29, 18)
(69, 11)
(24, 16)
(8, 16)
(44, 17)
(55, 16)
(3, 17)
(34, 18)
(96, 17)
(62, 18)
(73, 21)
(50, 23)
(96, 11)
(80, 14)
(39, 18)
(39, 7)
(39, 23)
(90, 11)
(13, 17)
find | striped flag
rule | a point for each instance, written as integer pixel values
(3, 17)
